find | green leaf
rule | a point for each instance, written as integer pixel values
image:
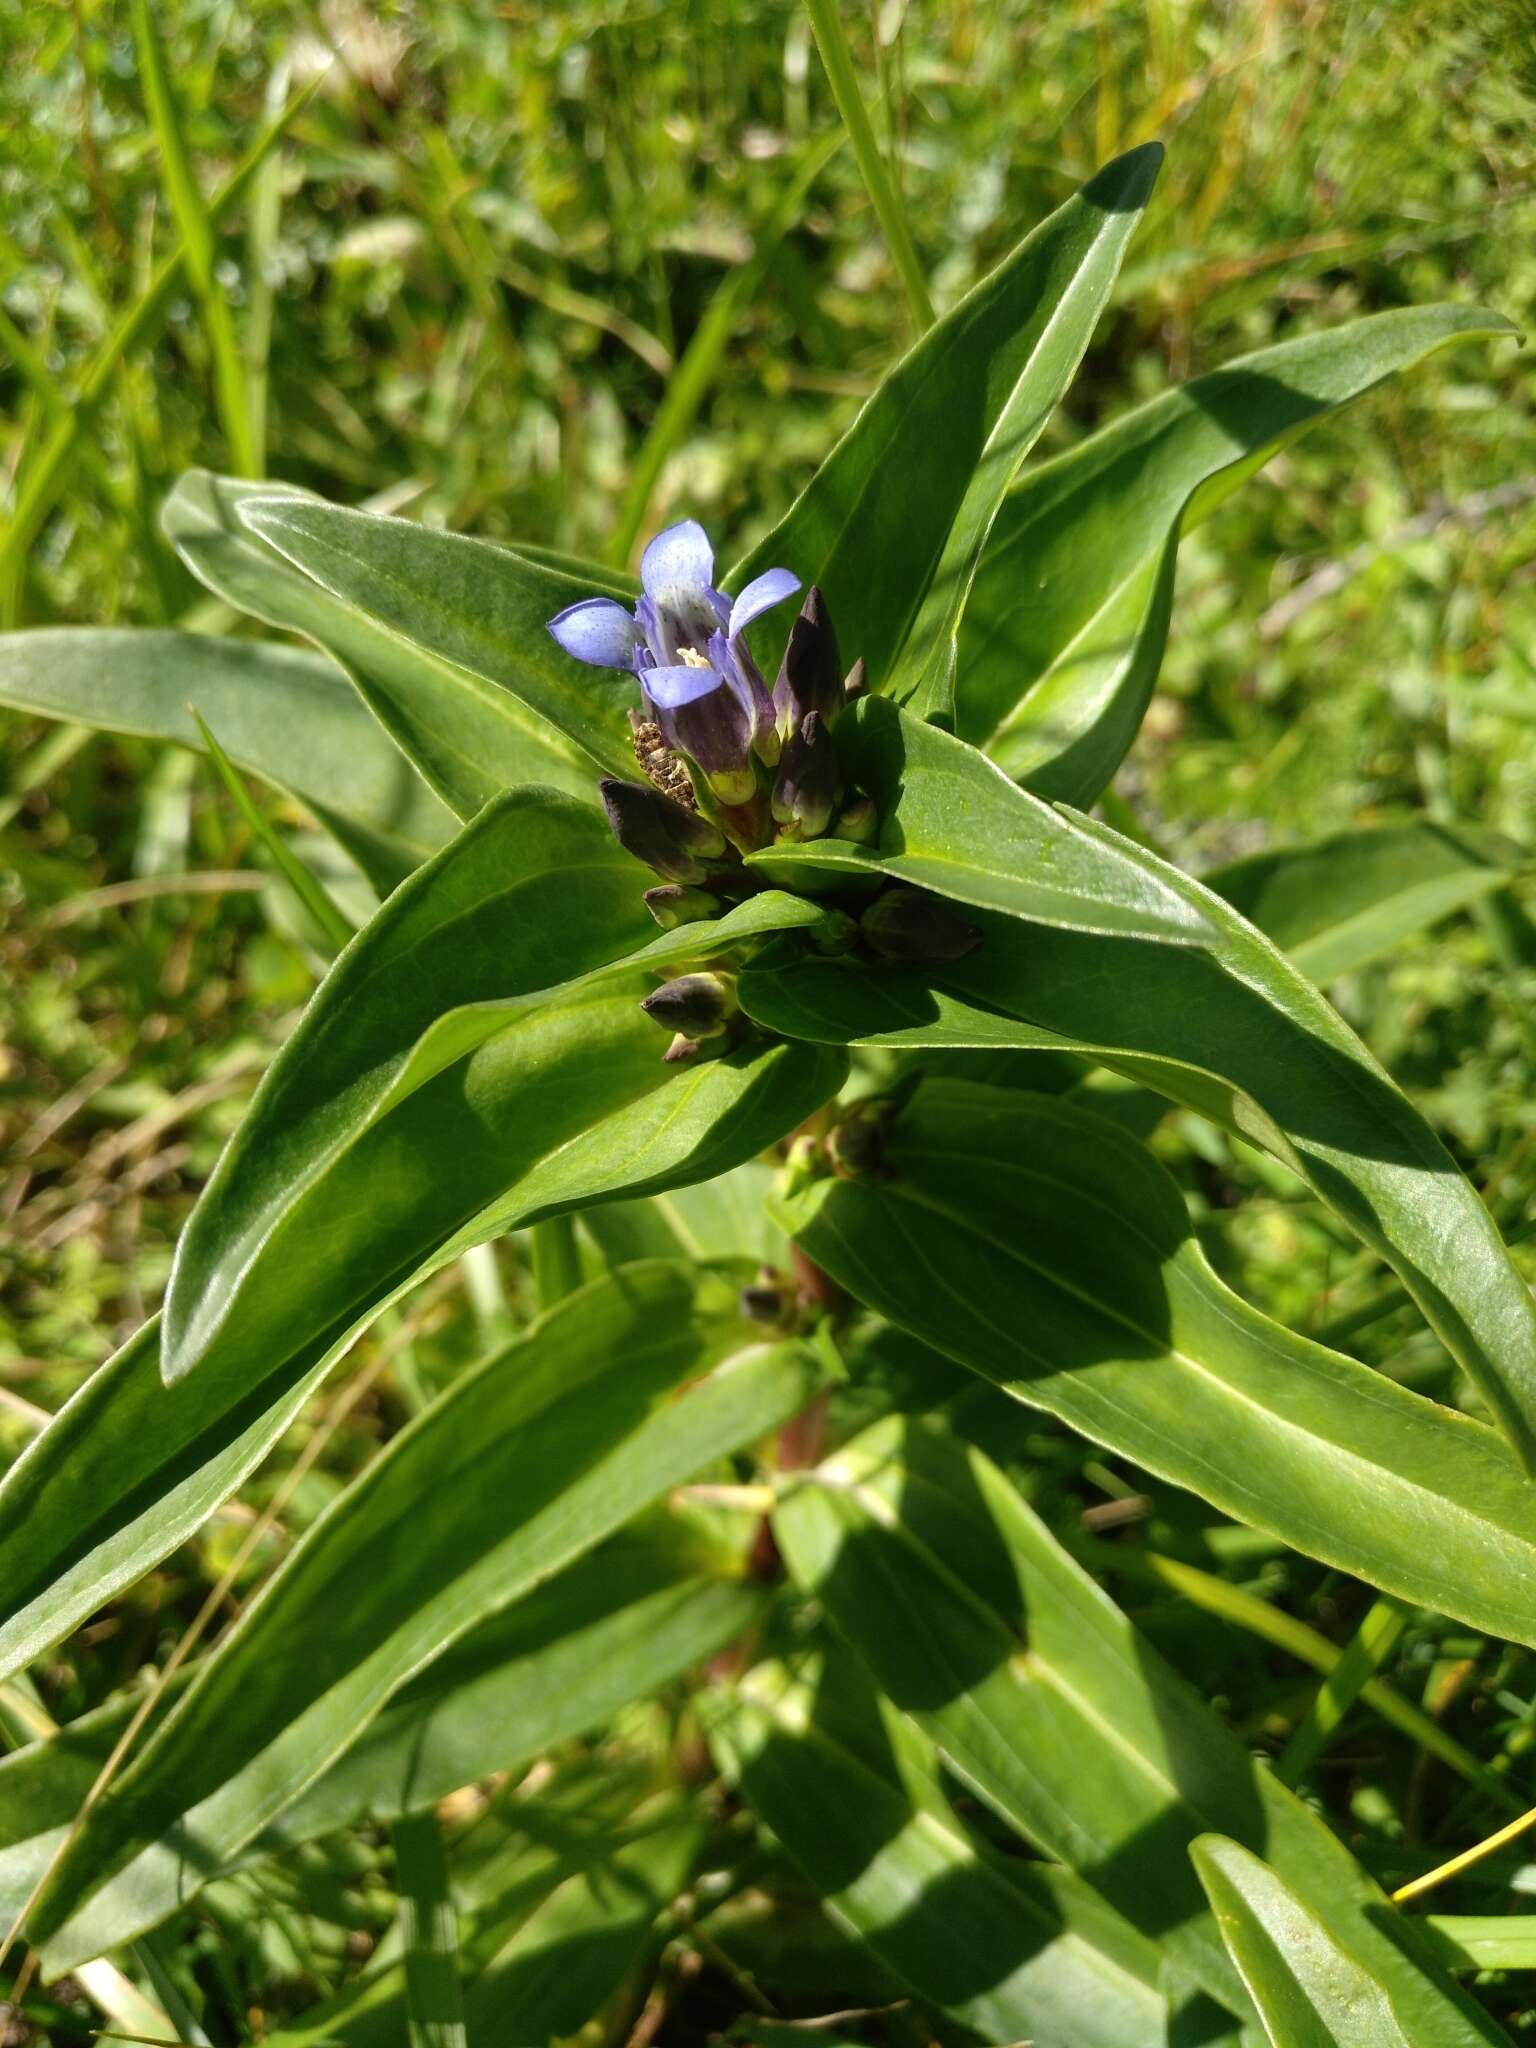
(432, 1067)
(1047, 1250)
(429, 1929)
(542, 1450)
(932, 452)
(480, 612)
(445, 637)
(1233, 1031)
(952, 822)
(1047, 1704)
(1078, 252)
(1311, 1988)
(1339, 903)
(130, 1468)
(1483, 1941)
(533, 892)
(614, 1626)
(291, 718)
(1015, 1950)
(1068, 618)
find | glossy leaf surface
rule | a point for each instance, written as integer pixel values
(952, 823)
(1046, 1249)
(1311, 1989)
(1049, 1706)
(291, 718)
(1068, 618)
(1233, 1031)
(129, 1468)
(418, 1087)
(610, 1628)
(1340, 903)
(543, 1451)
(952, 421)
(404, 609)
(1019, 1952)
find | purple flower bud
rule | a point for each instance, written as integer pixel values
(811, 677)
(914, 929)
(809, 785)
(678, 844)
(695, 1005)
(673, 904)
(856, 682)
(704, 714)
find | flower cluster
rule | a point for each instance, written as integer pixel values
(730, 765)
(711, 734)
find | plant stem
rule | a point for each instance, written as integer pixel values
(556, 1259)
(843, 79)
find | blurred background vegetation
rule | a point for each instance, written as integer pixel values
(559, 271)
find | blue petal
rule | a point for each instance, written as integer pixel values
(597, 631)
(679, 555)
(761, 595)
(672, 687)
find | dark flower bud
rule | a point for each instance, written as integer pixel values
(917, 930)
(809, 782)
(673, 903)
(857, 1145)
(810, 678)
(770, 1299)
(678, 844)
(858, 820)
(856, 682)
(696, 1005)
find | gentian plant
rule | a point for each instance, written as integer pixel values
(924, 1007)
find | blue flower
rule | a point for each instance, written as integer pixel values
(684, 642)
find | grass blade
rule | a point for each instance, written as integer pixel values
(843, 79)
(701, 359)
(190, 213)
(45, 476)
(434, 1996)
(311, 897)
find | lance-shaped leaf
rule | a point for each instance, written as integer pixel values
(130, 1468)
(1068, 617)
(953, 823)
(1046, 1249)
(1339, 903)
(1230, 1028)
(1016, 1951)
(538, 1453)
(444, 636)
(1312, 1988)
(290, 717)
(902, 505)
(610, 1628)
(420, 1085)
(1047, 1704)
